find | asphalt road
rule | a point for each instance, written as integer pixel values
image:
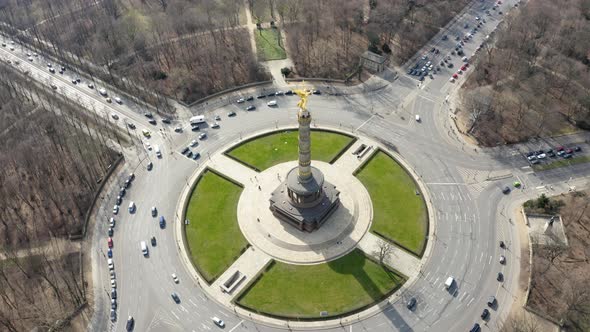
(471, 212)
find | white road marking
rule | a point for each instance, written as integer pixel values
(445, 183)
(490, 261)
(223, 313)
(193, 303)
(175, 315)
(469, 303)
(235, 327)
(369, 119)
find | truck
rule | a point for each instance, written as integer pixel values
(195, 120)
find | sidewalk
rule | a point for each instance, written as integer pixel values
(398, 259)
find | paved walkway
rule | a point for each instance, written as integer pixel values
(233, 169)
(250, 264)
(399, 259)
(349, 162)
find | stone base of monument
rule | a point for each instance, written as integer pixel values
(339, 234)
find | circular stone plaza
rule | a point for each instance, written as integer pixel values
(295, 225)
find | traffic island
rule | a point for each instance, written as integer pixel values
(309, 292)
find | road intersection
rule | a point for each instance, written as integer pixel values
(464, 182)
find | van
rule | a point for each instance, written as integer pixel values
(449, 282)
(131, 207)
(144, 248)
(158, 153)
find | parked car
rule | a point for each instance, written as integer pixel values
(154, 211)
(150, 165)
(502, 259)
(110, 242)
(175, 297)
(411, 303)
(162, 222)
(130, 323)
(485, 314)
(250, 108)
(153, 241)
(215, 125)
(231, 114)
(174, 278)
(218, 322)
(115, 209)
(202, 136)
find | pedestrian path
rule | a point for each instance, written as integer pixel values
(398, 259)
(349, 162)
(244, 270)
(233, 169)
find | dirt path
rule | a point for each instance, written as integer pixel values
(251, 26)
(52, 249)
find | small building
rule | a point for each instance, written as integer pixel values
(373, 61)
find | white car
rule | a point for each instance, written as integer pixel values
(175, 278)
(115, 209)
(541, 156)
(118, 100)
(241, 100)
(178, 129)
(194, 143)
(218, 322)
(215, 125)
(272, 103)
(202, 136)
(114, 116)
(30, 58)
(112, 222)
(111, 264)
(113, 275)
(502, 259)
(113, 283)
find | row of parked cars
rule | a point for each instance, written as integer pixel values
(535, 157)
(272, 94)
(110, 244)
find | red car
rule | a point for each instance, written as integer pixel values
(569, 151)
(110, 242)
(455, 75)
(464, 68)
(559, 148)
(467, 65)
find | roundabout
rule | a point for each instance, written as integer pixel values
(303, 263)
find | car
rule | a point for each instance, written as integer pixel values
(535, 161)
(466, 26)
(250, 98)
(122, 192)
(110, 264)
(272, 103)
(118, 100)
(110, 231)
(491, 301)
(215, 125)
(113, 314)
(250, 108)
(231, 114)
(516, 184)
(114, 116)
(289, 93)
(113, 304)
(463, 68)
(218, 322)
(112, 274)
(568, 156)
(475, 328)
(130, 323)
(271, 94)
(502, 244)
(11, 48)
(452, 79)
(154, 211)
(166, 120)
(53, 86)
(193, 143)
(175, 297)
(185, 150)
(153, 241)
(217, 118)
(506, 190)
(110, 242)
(152, 121)
(241, 100)
(455, 75)
(551, 154)
(570, 151)
(112, 222)
(178, 129)
(175, 278)
(541, 156)
(146, 133)
(260, 96)
(577, 149)
(500, 276)
(533, 157)
(560, 153)
(195, 127)
(148, 115)
(113, 283)
(131, 125)
(109, 100)
(316, 92)
(502, 259)
(30, 58)
(115, 209)
(450, 65)
(485, 314)
(162, 222)
(150, 165)
(202, 136)
(411, 303)
(189, 154)
(421, 78)
(110, 252)
(90, 86)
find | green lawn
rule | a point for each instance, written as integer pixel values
(277, 148)
(213, 235)
(267, 44)
(561, 163)
(348, 283)
(398, 213)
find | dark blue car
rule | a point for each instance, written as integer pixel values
(162, 222)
